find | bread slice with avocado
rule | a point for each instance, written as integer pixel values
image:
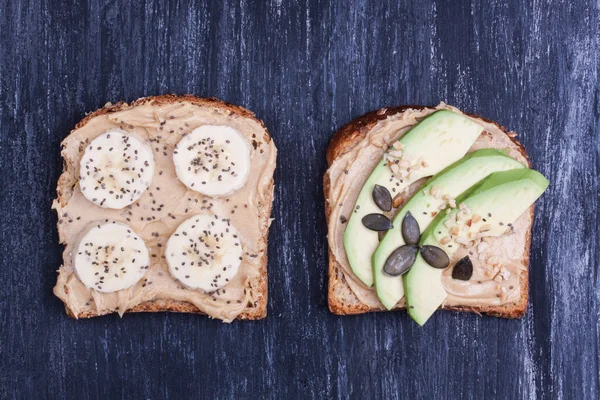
(164, 205)
(456, 151)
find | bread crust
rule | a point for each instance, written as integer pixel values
(343, 141)
(258, 285)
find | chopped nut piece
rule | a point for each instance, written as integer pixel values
(395, 153)
(485, 227)
(493, 260)
(461, 240)
(445, 240)
(483, 246)
(454, 230)
(505, 273)
(398, 200)
(434, 190)
(476, 218)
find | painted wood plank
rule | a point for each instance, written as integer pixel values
(306, 68)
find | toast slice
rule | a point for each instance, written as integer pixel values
(67, 189)
(342, 299)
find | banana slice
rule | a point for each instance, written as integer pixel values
(110, 256)
(204, 252)
(213, 160)
(116, 169)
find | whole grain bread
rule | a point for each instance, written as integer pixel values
(257, 305)
(341, 299)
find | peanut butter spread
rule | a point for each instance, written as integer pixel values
(497, 262)
(166, 204)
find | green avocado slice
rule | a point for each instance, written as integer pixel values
(431, 145)
(500, 199)
(426, 203)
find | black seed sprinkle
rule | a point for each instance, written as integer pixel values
(382, 198)
(377, 222)
(401, 260)
(463, 270)
(410, 229)
(435, 256)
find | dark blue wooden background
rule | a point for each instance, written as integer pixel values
(305, 68)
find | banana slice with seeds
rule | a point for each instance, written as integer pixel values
(116, 169)
(204, 252)
(213, 160)
(110, 256)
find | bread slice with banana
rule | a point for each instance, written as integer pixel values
(427, 208)
(164, 205)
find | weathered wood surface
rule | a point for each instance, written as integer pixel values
(306, 69)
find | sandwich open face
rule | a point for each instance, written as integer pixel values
(428, 208)
(164, 205)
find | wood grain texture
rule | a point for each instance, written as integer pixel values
(305, 68)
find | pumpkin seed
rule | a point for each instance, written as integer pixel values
(410, 229)
(382, 197)
(401, 260)
(377, 222)
(463, 270)
(435, 257)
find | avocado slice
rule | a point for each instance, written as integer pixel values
(425, 204)
(500, 199)
(431, 145)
